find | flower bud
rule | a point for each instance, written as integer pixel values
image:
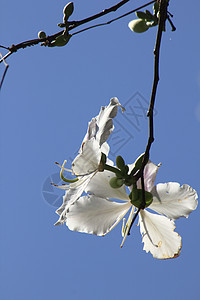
(116, 183)
(136, 198)
(60, 41)
(41, 35)
(120, 162)
(61, 25)
(138, 26)
(138, 162)
(67, 11)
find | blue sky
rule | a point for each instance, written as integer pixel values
(47, 99)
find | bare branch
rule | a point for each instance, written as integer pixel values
(70, 26)
(5, 71)
(113, 20)
(161, 23)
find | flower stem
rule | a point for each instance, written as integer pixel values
(112, 169)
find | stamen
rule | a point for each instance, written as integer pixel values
(123, 226)
(68, 170)
(62, 176)
(128, 224)
(54, 184)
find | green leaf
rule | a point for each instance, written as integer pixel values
(149, 16)
(141, 15)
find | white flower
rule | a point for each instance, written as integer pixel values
(97, 214)
(86, 165)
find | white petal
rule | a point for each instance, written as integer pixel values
(73, 193)
(100, 187)
(101, 126)
(105, 120)
(173, 200)
(95, 215)
(158, 235)
(150, 172)
(89, 158)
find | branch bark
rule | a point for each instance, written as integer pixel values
(161, 26)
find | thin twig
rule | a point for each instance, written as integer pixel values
(5, 71)
(4, 47)
(161, 23)
(71, 25)
(113, 20)
(106, 11)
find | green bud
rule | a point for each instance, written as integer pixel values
(61, 25)
(134, 195)
(128, 181)
(136, 198)
(60, 41)
(126, 169)
(138, 26)
(120, 162)
(138, 162)
(41, 35)
(67, 11)
(116, 183)
(141, 15)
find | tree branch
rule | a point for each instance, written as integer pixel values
(161, 24)
(71, 25)
(5, 71)
(115, 7)
(115, 19)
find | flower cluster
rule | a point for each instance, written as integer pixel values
(96, 213)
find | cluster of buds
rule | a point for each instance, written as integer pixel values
(64, 37)
(145, 20)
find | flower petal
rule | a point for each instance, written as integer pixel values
(150, 172)
(158, 235)
(73, 193)
(101, 126)
(95, 215)
(99, 185)
(89, 158)
(173, 200)
(105, 120)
